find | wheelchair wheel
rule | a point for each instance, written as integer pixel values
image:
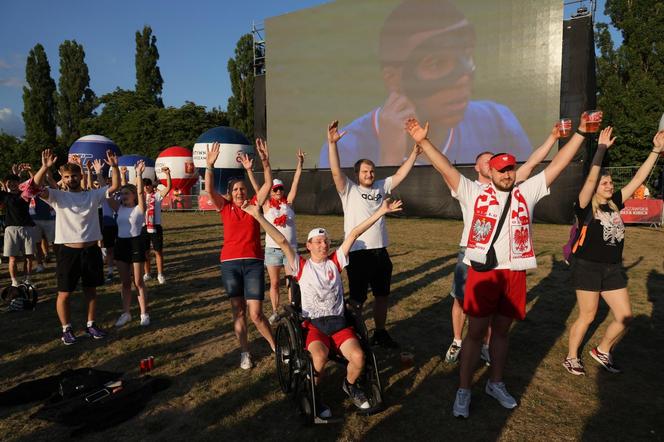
(306, 394)
(373, 383)
(286, 354)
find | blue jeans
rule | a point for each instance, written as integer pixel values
(460, 275)
(244, 277)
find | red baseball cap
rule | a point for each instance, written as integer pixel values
(501, 161)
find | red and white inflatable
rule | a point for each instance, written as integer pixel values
(181, 163)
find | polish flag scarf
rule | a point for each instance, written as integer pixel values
(486, 213)
(150, 207)
(279, 210)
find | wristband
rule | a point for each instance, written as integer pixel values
(582, 133)
(210, 168)
(602, 146)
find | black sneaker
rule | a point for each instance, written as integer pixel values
(95, 332)
(68, 337)
(356, 395)
(322, 410)
(383, 339)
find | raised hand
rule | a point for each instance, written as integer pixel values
(300, 157)
(166, 171)
(15, 169)
(261, 147)
(333, 134)
(555, 132)
(605, 137)
(76, 159)
(391, 206)
(88, 164)
(98, 166)
(658, 141)
(247, 161)
(250, 209)
(48, 158)
(111, 158)
(417, 132)
(417, 149)
(139, 167)
(212, 154)
(123, 170)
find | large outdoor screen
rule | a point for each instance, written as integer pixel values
(484, 73)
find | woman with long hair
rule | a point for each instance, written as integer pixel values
(597, 265)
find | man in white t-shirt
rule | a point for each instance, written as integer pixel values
(369, 262)
(152, 233)
(502, 251)
(322, 297)
(77, 232)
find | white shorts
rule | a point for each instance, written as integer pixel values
(19, 241)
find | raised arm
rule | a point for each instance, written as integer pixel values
(139, 168)
(248, 164)
(604, 143)
(439, 161)
(646, 167)
(407, 165)
(98, 166)
(217, 200)
(565, 154)
(292, 193)
(272, 231)
(333, 137)
(48, 160)
(112, 161)
(537, 156)
(123, 175)
(264, 192)
(388, 206)
(169, 182)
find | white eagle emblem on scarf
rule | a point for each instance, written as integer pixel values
(481, 229)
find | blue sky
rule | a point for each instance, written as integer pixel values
(195, 40)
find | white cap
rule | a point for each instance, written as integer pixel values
(317, 232)
(277, 183)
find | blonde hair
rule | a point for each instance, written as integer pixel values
(595, 200)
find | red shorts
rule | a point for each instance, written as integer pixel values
(333, 342)
(501, 291)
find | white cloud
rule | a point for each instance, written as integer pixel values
(5, 113)
(12, 82)
(11, 123)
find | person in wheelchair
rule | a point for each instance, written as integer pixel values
(322, 299)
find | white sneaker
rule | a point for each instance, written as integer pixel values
(462, 403)
(147, 277)
(161, 279)
(245, 361)
(484, 354)
(123, 319)
(498, 391)
(39, 268)
(14, 282)
(145, 320)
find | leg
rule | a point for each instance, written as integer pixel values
(28, 265)
(587, 302)
(352, 351)
(380, 285)
(458, 319)
(260, 321)
(140, 287)
(274, 273)
(91, 298)
(239, 308)
(159, 259)
(125, 279)
(381, 304)
(12, 268)
(618, 301)
(500, 327)
(62, 307)
(471, 349)
(319, 354)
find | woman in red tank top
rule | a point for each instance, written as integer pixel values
(242, 271)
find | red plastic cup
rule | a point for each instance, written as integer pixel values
(593, 120)
(144, 366)
(150, 363)
(564, 126)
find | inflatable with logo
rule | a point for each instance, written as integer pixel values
(130, 160)
(93, 147)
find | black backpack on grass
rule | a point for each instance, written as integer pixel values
(19, 298)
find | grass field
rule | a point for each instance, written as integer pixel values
(211, 398)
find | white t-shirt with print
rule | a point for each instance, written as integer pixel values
(467, 220)
(77, 214)
(359, 203)
(321, 286)
(533, 190)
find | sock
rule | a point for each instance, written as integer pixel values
(457, 342)
(66, 327)
(485, 346)
(90, 323)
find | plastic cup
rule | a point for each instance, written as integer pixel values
(593, 120)
(150, 363)
(564, 126)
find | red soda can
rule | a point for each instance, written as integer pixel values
(144, 366)
(150, 363)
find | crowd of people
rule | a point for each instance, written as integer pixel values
(90, 223)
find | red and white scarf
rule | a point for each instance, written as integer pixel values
(279, 210)
(486, 214)
(150, 208)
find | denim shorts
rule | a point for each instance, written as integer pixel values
(244, 278)
(460, 275)
(275, 257)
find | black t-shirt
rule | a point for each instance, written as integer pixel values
(17, 209)
(605, 234)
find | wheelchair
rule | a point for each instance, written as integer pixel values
(295, 368)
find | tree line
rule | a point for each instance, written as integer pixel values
(136, 120)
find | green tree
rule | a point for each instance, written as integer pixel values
(630, 78)
(148, 76)
(76, 100)
(11, 152)
(39, 98)
(241, 103)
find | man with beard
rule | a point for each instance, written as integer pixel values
(426, 53)
(77, 232)
(499, 251)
